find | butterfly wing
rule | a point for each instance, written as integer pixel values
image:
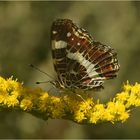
(59, 43)
(79, 61)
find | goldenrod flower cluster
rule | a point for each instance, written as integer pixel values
(77, 106)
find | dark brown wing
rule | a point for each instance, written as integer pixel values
(79, 61)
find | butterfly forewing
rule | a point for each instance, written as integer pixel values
(80, 61)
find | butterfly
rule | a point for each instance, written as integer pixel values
(79, 60)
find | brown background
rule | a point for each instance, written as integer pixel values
(25, 39)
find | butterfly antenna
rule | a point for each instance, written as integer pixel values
(33, 66)
(43, 82)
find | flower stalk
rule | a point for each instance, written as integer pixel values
(78, 107)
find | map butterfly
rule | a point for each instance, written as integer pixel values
(79, 60)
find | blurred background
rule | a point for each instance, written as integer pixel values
(25, 39)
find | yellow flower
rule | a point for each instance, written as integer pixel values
(108, 116)
(55, 107)
(43, 102)
(137, 102)
(8, 100)
(131, 100)
(127, 87)
(115, 107)
(76, 105)
(80, 113)
(123, 96)
(124, 116)
(3, 96)
(97, 113)
(11, 101)
(26, 104)
(136, 89)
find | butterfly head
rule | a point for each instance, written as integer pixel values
(57, 84)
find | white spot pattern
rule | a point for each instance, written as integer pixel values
(54, 32)
(68, 34)
(87, 64)
(58, 44)
(78, 44)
